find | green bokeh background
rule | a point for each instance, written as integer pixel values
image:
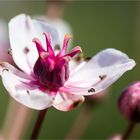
(96, 25)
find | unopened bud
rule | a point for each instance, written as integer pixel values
(129, 102)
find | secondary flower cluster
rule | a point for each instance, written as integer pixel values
(45, 77)
(129, 102)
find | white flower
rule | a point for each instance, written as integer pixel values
(44, 78)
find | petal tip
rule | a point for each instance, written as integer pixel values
(132, 64)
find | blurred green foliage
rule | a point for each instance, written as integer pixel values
(96, 25)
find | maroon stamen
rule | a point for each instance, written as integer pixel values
(53, 71)
(38, 46)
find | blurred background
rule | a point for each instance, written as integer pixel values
(96, 25)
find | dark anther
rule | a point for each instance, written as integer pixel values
(26, 50)
(91, 90)
(76, 103)
(5, 70)
(79, 57)
(27, 91)
(57, 47)
(87, 59)
(102, 77)
(10, 51)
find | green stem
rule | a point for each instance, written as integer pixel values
(38, 124)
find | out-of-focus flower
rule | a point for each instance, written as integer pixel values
(44, 78)
(116, 137)
(4, 43)
(129, 102)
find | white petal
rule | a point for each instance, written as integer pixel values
(66, 102)
(61, 26)
(25, 94)
(15, 71)
(99, 73)
(22, 30)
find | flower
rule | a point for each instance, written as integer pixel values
(129, 102)
(43, 78)
(4, 42)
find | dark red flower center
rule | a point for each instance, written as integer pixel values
(52, 70)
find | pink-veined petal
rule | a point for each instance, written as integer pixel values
(66, 102)
(22, 30)
(25, 94)
(75, 66)
(7, 66)
(99, 73)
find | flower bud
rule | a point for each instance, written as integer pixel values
(129, 102)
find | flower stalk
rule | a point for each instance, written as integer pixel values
(129, 130)
(80, 126)
(38, 124)
(15, 125)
